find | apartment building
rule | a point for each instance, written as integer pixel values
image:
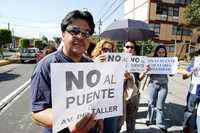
(165, 17)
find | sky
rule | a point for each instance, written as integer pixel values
(35, 18)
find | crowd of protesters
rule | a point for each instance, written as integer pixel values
(76, 27)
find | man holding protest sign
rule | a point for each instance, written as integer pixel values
(76, 28)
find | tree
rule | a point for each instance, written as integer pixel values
(44, 40)
(95, 39)
(145, 47)
(57, 40)
(5, 38)
(38, 44)
(192, 13)
(24, 43)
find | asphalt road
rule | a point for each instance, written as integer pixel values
(16, 117)
(13, 76)
(174, 107)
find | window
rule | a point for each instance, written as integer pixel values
(171, 48)
(177, 30)
(170, 11)
(158, 9)
(165, 10)
(180, 1)
(155, 28)
(187, 31)
(175, 11)
(188, 1)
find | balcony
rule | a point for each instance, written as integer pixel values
(163, 17)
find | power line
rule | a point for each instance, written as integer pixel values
(102, 8)
(114, 10)
(108, 9)
(136, 8)
(111, 5)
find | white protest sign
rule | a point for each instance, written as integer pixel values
(118, 57)
(162, 65)
(196, 74)
(136, 64)
(79, 88)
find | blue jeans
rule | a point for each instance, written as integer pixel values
(192, 101)
(198, 124)
(157, 96)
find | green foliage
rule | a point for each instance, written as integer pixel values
(24, 43)
(145, 47)
(44, 40)
(5, 36)
(95, 39)
(38, 44)
(119, 45)
(192, 13)
(57, 40)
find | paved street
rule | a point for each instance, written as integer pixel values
(17, 117)
(12, 76)
(174, 107)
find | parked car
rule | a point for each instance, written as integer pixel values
(28, 54)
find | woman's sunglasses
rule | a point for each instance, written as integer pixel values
(107, 50)
(132, 47)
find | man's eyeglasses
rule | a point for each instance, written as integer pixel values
(107, 50)
(76, 30)
(132, 47)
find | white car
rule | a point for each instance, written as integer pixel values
(28, 54)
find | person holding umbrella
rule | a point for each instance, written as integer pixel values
(131, 91)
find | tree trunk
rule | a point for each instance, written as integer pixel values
(1, 53)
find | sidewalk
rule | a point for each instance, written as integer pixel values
(174, 108)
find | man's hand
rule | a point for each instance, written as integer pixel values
(83, 125)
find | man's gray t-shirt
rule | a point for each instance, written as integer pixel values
(41, 81)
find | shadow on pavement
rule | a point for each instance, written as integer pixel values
(175, 114)
(8, 76)
(154, 130)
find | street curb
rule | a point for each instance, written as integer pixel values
(4, 62)
(12, 95)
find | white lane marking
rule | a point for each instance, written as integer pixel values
(12, 95)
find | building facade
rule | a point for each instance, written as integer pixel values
(165, 17)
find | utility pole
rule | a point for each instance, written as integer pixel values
(8, 26)
(13, 38)
(189, 49)
(100, 23)
(175, 46)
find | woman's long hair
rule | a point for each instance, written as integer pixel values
(157, 48)
(97, 50)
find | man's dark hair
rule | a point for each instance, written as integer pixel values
(76, 14)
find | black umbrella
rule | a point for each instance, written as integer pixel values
(128, 30)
